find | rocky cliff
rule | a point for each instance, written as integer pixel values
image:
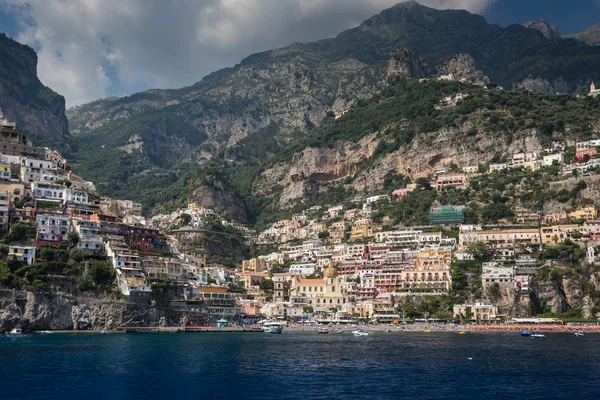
(41, 311)
(37, 110)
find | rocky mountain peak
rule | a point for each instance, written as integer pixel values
(549, 32)
(406, 61)
(591, 36)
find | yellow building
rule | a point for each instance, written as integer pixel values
(586, 213)
(324, 294)
(16, 191)
(364, 228)
(254, 264)
(559, 233)
(4, 171)
(429, 260)
(509, 236)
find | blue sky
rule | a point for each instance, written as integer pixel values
(90, 49)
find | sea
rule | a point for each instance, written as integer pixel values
(299, 365)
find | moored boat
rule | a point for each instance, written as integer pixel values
(47, 332)
(322, 330)
(525, 334)
(272, 327)
(360, 332)
(15, 334)
(579, 333)
(104, 332)
(538, 336)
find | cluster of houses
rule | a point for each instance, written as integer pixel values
(39, 190)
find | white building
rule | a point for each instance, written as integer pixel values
(53, 227)
(32, 162)
(304, 269)
(375, 199)
(22, 253)
(494, 273)
(78, 196)
(550, 159)
(47, 191)
(498, 167)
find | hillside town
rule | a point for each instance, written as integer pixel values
(333, 264)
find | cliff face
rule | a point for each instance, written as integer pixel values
(40, 311)
(37, 110)
(424, 155)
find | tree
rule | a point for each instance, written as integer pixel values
(185, 219)
(480, 251)
(267, 285)
(102, 273)
(323, 235)
(308, 310)
(73, 239)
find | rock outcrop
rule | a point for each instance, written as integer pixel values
(38, 111)
(407, 62)
(42, 311)
(549, 32)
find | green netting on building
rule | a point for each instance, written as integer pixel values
(447, 215)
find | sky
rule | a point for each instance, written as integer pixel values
(92, 49)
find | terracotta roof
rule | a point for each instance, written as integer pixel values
(312, 281)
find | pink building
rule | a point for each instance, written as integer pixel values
(579, 155)
(456, 180)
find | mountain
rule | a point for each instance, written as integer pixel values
(37, 110)
(590, 36)
(171, 143)
(549, 32)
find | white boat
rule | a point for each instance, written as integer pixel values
(104, 332)
(538, 336)
(272, 327)
(47, 332)
(579, 333)
(15, 334)
(360, 332)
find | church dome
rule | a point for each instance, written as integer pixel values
(330, 272)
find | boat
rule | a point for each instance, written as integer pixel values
(272, 327)
(427, 330)
(538, 336)
(104, 332)
(322, 330)
(360, 332)
(15, 334)
(462, 333)
(47, 332)
(525, 334)
(338, 330)
(579, 333)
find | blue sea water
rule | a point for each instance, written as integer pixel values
(299, 365)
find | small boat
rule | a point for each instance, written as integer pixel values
(15, 334)
(579, 333)
(462, 333)
(338, 330)
(427, 330)
(47, 332)
(322, 330)
(525, 334)
(272, 327)
(360, 332)
(104, 332)
(538, 336)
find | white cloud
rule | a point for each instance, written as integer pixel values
(89, 49)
